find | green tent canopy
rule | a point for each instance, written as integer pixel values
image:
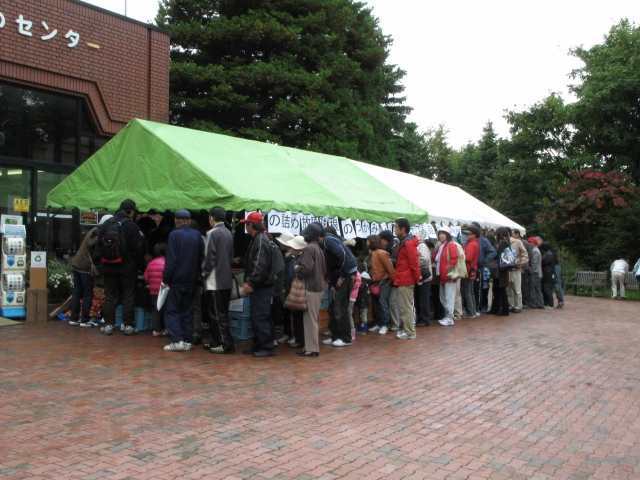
(163, 167)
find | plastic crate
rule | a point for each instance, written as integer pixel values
(325, 299)
(240, 327)
(240, 307)
(143, 318)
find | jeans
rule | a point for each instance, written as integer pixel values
(477, 287)
(559, 293)
(82, 289)
(276, 312)
(125, 284)
(342, 327)
(381, 305)
(547, 293)
(468, 297)
(219, 329)
(261, 322)
(448, 298)
(526, 288)
(422, 294)
(178, 312)
(197, 313)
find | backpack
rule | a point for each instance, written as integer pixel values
(460, 270)
(114, 242)
(508, 259)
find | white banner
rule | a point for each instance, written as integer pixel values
(366, 229)
(335, 223)
(274, 222)
(431, 232)
(348, 231)
(375, 228)
(357, 227)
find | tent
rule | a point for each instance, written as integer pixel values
(163, 167)
(446, 203)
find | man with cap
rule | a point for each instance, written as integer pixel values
(185, 254)
(218, 278)
(259, 279)
(119, 254)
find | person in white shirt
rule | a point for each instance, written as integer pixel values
(619, 271)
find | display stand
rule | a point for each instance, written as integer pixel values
(13, 268)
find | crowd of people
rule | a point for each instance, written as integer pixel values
(408, 279)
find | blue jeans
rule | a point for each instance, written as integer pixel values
(178, 312)
(558, 285)
(381, 305)
(261, 321)
(82, 289)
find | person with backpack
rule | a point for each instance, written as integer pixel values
(500, 284)
(185, 254)
(119, 254)
(445, 256)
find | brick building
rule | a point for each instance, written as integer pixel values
(71, 77)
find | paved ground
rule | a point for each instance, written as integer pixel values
(544, 394)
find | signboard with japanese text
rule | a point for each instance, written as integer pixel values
(21, 204)
(43, 32)
(348, 231)
(357, 228)
(88, 217)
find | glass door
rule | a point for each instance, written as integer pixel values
(15, 195)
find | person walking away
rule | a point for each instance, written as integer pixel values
(153, 277)
(504, 277)
(548, 274)
(422, 290)
(310, 268)
(218, 282)
(471, 251)
(535, 275)
(407, 275)
(445, 255)
(287, 257)
(390, 243)
(341, 273)
(383, 274)
(259, 279)
(619, 271)
(558, 278)
(83, 280)
(514, 291)
(185, 254)
(119, 254)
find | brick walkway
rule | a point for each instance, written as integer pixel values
(544, 394)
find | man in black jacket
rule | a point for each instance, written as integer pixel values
(259, 279)
(120, 265)
(185, 253)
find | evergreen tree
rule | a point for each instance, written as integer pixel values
(308, 74)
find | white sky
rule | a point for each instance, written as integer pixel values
(469, 60)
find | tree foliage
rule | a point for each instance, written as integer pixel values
(308, 74)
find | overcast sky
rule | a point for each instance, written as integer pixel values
(469, 60)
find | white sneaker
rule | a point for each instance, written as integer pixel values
(283, 339)
(328, 341)
(383, 331)
(188, 346)
(406, 336)
(340, 343)
(291, 341)
(85, 324)
(446, 322)
(401, 334)
(71, 322)
(175, 347)
(375, 328)
(478, 314)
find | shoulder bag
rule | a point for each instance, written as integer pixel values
(297, 298)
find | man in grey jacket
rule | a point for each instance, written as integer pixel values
(535, 278)
(216, 271)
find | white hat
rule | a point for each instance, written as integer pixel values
(285, 238)
(297, 242)
(105, 218)
(445, 228)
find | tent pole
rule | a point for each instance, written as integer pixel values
(47, 245)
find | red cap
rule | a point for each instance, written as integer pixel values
(253, 217)
(532, 240)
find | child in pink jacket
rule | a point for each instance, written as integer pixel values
(352, 301)
(153, 276)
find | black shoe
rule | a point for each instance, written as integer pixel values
(265, 353)
(502, 314)
(308, 354)
(196, 341)
(516, 310)
(249, 351)
(560, 304)
(421, 324)
(222, 350)
(295, 345)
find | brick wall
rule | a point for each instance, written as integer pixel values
(128, 77)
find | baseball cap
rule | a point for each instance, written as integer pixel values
(253, 217)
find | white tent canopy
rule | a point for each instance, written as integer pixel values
(445, 204)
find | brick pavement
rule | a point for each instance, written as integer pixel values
(544, 394)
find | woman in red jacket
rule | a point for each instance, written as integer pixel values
(445, 256)
(153, 276)
(471, 254)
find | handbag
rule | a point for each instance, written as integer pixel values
(297, 298)
(425, 274)
(375, 289)
(237, 281)
(494, 270)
